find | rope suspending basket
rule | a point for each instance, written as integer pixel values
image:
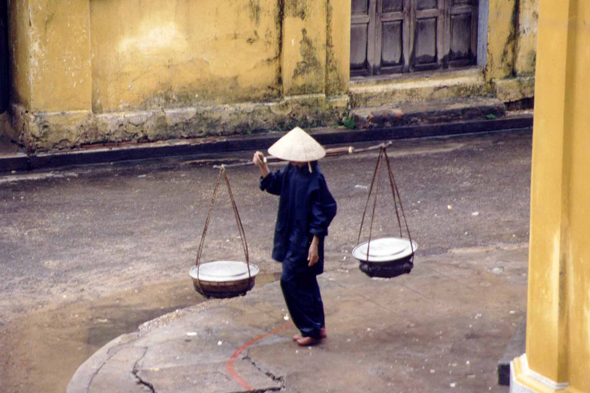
(385, 257)
(224, 279)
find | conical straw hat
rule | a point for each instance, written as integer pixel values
(297, 145)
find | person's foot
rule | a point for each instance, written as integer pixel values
(323, 334)
(307, 341)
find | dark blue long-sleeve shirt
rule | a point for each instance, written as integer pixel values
(306, 208)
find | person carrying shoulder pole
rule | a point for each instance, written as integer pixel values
(306, 209)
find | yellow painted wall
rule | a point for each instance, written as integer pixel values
(56, 54)
(163, 69)
(88, 71)
(153, 53)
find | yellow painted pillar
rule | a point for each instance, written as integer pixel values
(19, 48)
(558, 326)
(338, 47)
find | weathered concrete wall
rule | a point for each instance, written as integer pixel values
(436, 86)
(61, 130)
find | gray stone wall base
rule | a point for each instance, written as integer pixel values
(65, 130)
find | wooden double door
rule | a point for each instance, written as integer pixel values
(395, 36)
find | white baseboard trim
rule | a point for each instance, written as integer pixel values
(517, 387)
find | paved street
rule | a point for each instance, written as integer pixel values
(99, 250)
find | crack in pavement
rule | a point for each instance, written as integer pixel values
(238, 354)
(135, 373)
(95, 373)
(268, 373)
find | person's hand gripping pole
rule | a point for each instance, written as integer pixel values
(260, 161)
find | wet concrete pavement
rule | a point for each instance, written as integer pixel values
(440, 329)
(79, 235)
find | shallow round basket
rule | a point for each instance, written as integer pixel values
(224, 279)
(388, 257)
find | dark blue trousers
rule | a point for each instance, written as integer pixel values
(302, 295)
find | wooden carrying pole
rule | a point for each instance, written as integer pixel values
(335, 152)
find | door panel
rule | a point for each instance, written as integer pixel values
(392, 6)
(358, 47)
(360, 7)
(460, 37)
(462, 32)
(428, 34)
(425, 42)
(392, 44)
(389, 36)
(361, 37)
(391, 19)
(426, 4)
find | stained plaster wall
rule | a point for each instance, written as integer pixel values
(88, 71)
(511, 54)
(91, 71)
